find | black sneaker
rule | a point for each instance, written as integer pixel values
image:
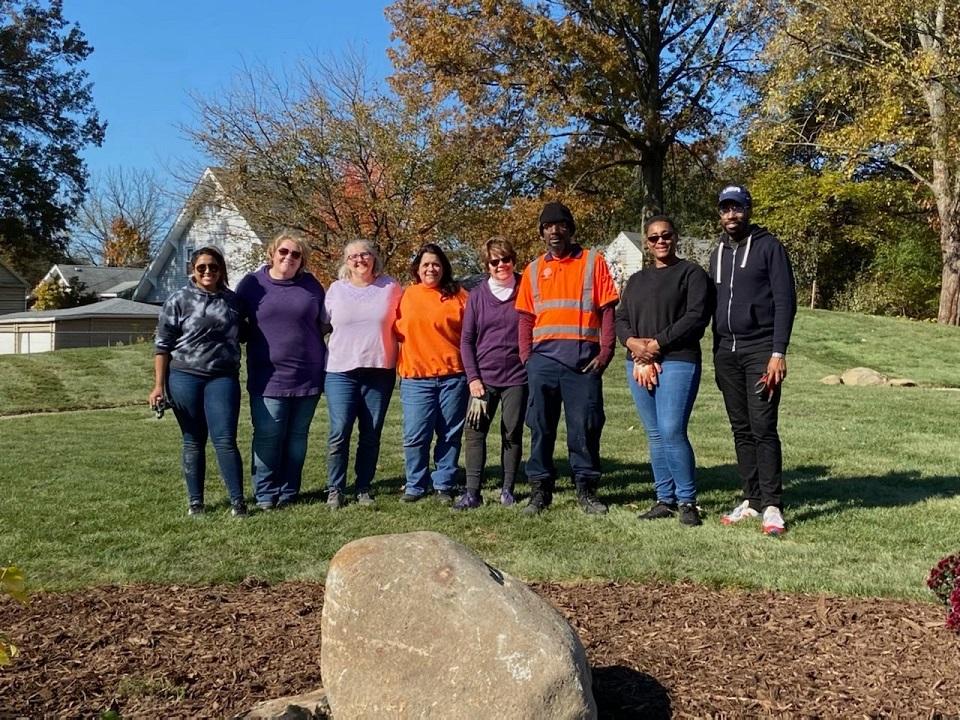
(410, 498)
(538, 503)
(238, 508)
(590, 503)
(659, 511)
(689, 515)
(195, 509)
(334, 499)
(446, 497)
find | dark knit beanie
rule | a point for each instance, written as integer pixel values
(557, 212)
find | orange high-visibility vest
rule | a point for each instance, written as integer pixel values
(563, 299)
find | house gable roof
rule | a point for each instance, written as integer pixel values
(208, 186)
(96, 279)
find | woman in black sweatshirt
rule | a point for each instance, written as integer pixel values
(661, 318)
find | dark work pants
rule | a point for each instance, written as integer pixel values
(513, 404)
(553, 384)
(754, 423)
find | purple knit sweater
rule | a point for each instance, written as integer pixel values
(488, 343)
(286, 354)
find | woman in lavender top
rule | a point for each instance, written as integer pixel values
(361, 368)
(197, 367)
(286, 356)
(491, 358)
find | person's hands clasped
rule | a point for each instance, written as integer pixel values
(647, 374)
(644, 350)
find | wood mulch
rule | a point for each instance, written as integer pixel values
(657, 651)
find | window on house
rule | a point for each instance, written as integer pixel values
(187, 254)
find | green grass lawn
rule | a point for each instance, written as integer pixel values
(872, 483)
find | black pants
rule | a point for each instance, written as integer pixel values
(754, 423)
(553, 385)
(513, 404)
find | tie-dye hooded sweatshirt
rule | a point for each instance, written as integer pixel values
(201, 331)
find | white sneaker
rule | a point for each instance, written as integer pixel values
(773, 521)
(743, 511)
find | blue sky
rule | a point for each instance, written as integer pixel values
(150, 55)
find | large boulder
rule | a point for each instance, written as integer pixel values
(419, 626)
(863, 376)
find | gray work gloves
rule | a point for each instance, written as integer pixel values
(477, 411)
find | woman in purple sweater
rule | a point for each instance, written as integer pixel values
(491, 359)
(286, 356)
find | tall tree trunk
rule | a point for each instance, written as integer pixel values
(950, 276)
(651, 177)
(944, 183)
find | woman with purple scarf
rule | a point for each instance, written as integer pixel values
(286, 357)
(491, 358)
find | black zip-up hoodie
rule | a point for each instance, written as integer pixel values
(756, 295)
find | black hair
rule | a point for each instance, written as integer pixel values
(448, 286)
(218, 256)
(659, 218)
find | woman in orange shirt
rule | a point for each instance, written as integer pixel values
(433, 385)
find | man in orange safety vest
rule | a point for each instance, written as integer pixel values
(566, 305)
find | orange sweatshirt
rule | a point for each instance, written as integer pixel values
(428, 327)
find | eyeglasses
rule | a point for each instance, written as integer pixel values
(203, 269)
(360, 256)
(295, 254)
(494, 262)
(665, 235)
(732, 209)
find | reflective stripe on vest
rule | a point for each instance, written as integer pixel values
(583, 305)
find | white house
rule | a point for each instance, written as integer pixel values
(209, 217)
(625, 255)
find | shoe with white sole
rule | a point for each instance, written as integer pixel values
(773, 521)
(743, 511)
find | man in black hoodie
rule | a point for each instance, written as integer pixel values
(756, 304)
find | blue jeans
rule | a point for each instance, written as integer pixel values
(665, 414)
(281, 426)
(207, 406)
(432, 406)
(359, 396)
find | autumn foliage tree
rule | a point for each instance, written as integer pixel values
(872, 87)
(125, 246)
(615, 82)
(336, 157)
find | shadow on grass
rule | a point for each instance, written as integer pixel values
(623, 693)
(817, 494)
(812, 489)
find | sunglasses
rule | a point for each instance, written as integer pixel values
(732, 210)
(665, 235)
(203, 269)
(360, 256)
(494, 262)
(295, 254)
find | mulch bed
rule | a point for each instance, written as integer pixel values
(657, 651)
